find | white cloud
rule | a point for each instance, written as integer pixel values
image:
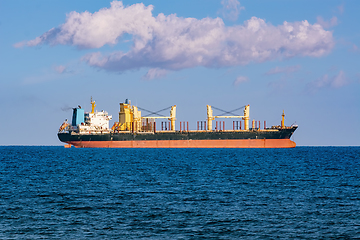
(94, 30)
(173, 43)
(336, 81)
(327, 24)
(60, 69)
(240, 80)
(231, 9)
(339, 80)
(20, 44)
(155, 73)
(288, 69)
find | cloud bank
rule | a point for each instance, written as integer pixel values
(173, 43)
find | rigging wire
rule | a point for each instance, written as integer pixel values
(156, 113)
(229, 112)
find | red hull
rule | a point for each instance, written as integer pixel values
(229, 143)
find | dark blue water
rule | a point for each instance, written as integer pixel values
(302, 193)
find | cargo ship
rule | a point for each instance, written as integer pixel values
(92, 130)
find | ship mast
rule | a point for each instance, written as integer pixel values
(283, 120)
(93, 105)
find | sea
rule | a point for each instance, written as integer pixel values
(50, 192)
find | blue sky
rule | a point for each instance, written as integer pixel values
(298, 56)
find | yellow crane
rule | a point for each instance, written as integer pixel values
(210, 117)
(130, 117)
(172, 117)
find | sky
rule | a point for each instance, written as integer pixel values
(299, 56)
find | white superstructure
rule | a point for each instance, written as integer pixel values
(95, 121)
(88, 122)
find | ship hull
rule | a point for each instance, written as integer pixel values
(221, 143)
(279, 138)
